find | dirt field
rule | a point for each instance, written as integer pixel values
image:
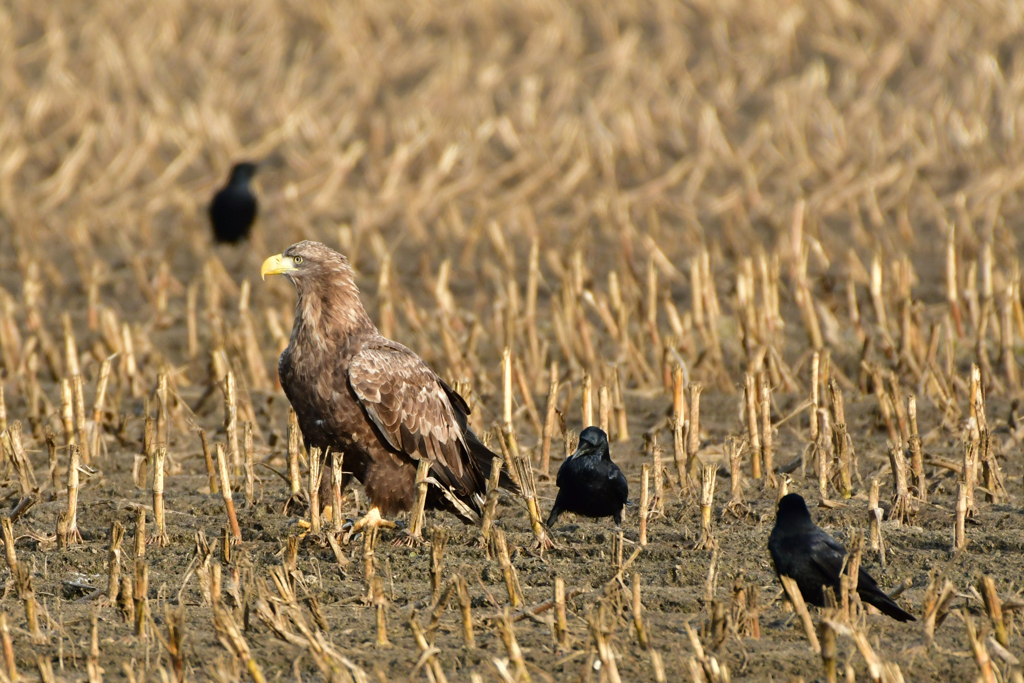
(625, 190)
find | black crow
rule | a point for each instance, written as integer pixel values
(233, 208)
(589, 483)
(804, 552)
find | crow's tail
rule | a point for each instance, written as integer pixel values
(885, 604)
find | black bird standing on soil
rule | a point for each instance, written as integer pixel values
(803, 551)
(233, 208)
(589, 483)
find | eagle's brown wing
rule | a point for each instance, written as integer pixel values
(406, 401)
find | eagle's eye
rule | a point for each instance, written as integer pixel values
(298, 260)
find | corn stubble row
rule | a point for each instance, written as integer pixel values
(749, 200)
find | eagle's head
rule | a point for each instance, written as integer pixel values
(307, 262)
(328, 300)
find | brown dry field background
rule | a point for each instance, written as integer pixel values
(620, 188)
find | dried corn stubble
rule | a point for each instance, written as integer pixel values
(571, 152)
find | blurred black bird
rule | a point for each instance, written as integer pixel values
(803, 551)
(233, 208)
(589, 483)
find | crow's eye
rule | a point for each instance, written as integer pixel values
(298, 260)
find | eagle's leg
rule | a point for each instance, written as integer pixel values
(371, 519)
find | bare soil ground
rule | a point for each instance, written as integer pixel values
(718, 186)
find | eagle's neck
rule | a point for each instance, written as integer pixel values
(327, 315)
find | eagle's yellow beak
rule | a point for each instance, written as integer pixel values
(276, 265)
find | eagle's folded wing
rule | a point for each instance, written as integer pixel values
(406, 401)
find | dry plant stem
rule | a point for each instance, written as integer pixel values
(621, 417)
(231, 421)
(693, 432)
(422, 472)
(73, 535)
(466, 611)
(51, 456)
(994, 608)
(659, 479)
(225, 490)
(98, 404)
(23, 584)
(617, 541)
(9, 553)
(532, 281)
(875, 522)
(225, 545)
(638, 622)
(294, 448)
(381, 606)
(191, 327)
(434, 666)
(735, 451)
(604, 649)
(797, 600)
(959, 530)
(515, 596)
(901, 502)
(679, 427)
(753, 432)
(114, 561)
(522, 471)
(588, 401)
(645, 475)
(67, 412)
(766, 436)
(45, 668)
(175, 621)
(369, 559)
(140, 532)
(515, 653)
(148, 449)
(8, 645)
(93, 662)
(506, 387)
(26, 478)
(527, 394)
(231, 637)
(130, 366)
(161, 409)
(3, 409)
(1006, 343)
(337, 481)
(438, 543)
(849, 599)
(604, 410)
(126, 598)
(491, 504)
(969, 471)
(916, 457)
(250, 473)
(549, 421)
(81, 433)
(980, 652)
(316, 463)
(561, 623)
(708, 476)
(161, 538)
(815, 395)
(841, 439)
(936, 606)
(211, 468)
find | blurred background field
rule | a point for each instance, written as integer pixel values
(621, 188)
